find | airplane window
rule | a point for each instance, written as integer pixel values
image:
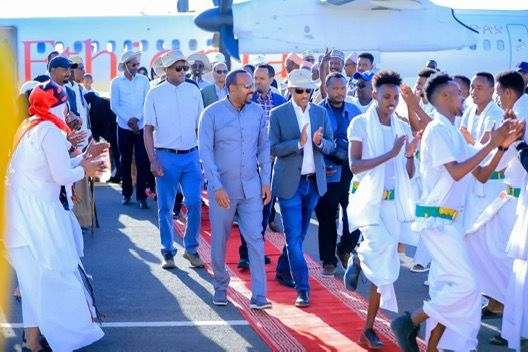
(160, 45)
(127, 45)
(59, 46)
(193, 44)
(41, 48)
(209, 42)
(95, 46)
(110, 46)
(473, 47)
(175, 44)
(500, 44)
(77, 46)
(486, 44)
(144, 45)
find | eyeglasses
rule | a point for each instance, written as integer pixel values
(180, 68)
(247, 86)
(133, 65)
(200, 65)
(361, 85)
(220, 72)
(301, 91)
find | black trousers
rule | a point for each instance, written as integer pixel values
(327, 213)
(129, 142)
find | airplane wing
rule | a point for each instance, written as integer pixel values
(380, 4)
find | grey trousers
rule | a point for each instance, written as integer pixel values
(250, 222)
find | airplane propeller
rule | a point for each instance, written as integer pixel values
(220, 20)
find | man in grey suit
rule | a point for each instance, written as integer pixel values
(218, 90)
(234, 148)
(300, 133)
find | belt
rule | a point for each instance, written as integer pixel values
(308, 177)
(438, 212)
(387, 194)
(514, 192)
(174, 151)
(497, 175)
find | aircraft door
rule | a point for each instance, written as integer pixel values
(518, 43)
(8, 35)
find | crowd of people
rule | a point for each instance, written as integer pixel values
(379, 162)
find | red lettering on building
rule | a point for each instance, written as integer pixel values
(89, 58)
(28, 61)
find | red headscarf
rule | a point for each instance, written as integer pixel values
(42, 99)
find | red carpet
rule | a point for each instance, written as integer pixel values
(333, 322)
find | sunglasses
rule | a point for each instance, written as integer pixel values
(301, 91)
(247, 86)
(220, 72)
(362, 85)
(197, 65)
(181, 68)
(130, 64)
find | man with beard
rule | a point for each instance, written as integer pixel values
(300, 133)
(338, 177)
(235, 152)
(128, 93)
(268, 100)
(218, 90)
(199, 64)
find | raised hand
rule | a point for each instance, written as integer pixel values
(410, 147)
(467, 136)
(399, 141)
(410, 98)
(318, 136)
(93, 167)
(304, 136)
(96, 148)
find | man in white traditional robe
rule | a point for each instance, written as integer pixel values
(453, 312)
(382, 161)
(510, 90)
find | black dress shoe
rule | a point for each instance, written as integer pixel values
(303, 299)
(143, 204)
(243, 264)
(125, 200)
(369, 338)
(285, 279)
(267, 259)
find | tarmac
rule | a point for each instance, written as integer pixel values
(148, 308)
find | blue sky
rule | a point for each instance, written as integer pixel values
(34, 8)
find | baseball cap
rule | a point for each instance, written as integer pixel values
(523, 67)
(366, 76)
(61, 61)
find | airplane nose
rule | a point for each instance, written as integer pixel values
(212, 20)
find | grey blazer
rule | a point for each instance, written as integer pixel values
(284, 134)
(209, 95)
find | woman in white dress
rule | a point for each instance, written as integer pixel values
(40, 239)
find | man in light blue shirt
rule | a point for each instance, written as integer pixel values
(127, 96)
(235, 152)
(172, 110)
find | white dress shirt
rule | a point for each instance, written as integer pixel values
(174, 112)
(127, 98)
(303, 118)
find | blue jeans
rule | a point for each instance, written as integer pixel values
(179, 170)
(296, 213)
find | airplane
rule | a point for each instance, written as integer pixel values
(501, 42)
